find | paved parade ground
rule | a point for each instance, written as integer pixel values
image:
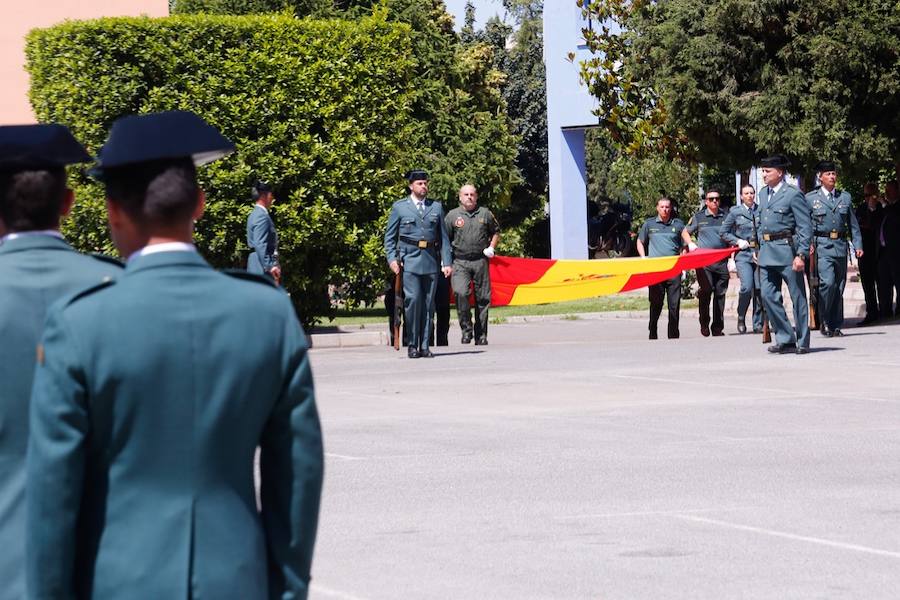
(577, 459)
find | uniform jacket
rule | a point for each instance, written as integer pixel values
(35, 270)
(263, 240)
(834, 215)
(786, 211)
(470, 232)
(405, 227)
(152, 396)
(739, 225)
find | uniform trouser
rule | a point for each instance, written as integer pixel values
(466, 272)
(771, 279)
(418, 306)
(832, 279)
(671, 289)
(749, 292)
(713, 281)
(868, 274)
(441, 312)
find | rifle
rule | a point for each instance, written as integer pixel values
(813, 285)
(757, 289)
(398, 307)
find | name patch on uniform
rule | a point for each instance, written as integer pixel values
(459, 223)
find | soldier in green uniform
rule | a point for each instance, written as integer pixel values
(739, 229)
(832, 219)
(415, 237)
(713, 280)
(151, 396)
(37, 267)
(661, 236)
(474, 234)
(784, 233)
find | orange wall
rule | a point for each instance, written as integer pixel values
(21, 16)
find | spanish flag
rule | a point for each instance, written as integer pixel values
(518, 281)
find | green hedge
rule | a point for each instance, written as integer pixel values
(321, 108)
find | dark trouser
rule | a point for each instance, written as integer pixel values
(671, 289)
(868, 274)
(465, 273)
(832, 280)
(418, 306)
(772, 279)
(887, 281)
(441, 311)
(749, 292)
(713, 282)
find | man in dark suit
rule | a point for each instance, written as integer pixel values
(417, 239)
(37, 267)
(889, 252)
(784, 231)
(868, 214)
(151, 396)
(261, 235)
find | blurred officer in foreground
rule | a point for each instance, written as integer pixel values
(784, 234)
(739, 229)
(713, 279)
(415, 238)
(151, 395)
(661, 236)
(261, 235)
(832, 219)
(473, 233)
(37, 267)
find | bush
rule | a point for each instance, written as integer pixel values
(319, 108)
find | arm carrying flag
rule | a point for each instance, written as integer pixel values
(520, 281)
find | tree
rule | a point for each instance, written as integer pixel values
(300, 8)
(741, 78)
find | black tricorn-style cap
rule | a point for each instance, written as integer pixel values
(262, 186)
(35, 147)
(776, 161)
(825, 165)
(416, 175)
(160, 136)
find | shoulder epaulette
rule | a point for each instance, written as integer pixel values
(247, 276)
(108, 259)
(107, 282)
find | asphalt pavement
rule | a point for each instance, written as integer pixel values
(576, 459)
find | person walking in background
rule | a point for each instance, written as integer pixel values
(661, 236)
(151, 395)
(705, 225)
(869, 215)
(261, 235)
(739, 229)
(416, 239)
(37, 267)
(474, 234)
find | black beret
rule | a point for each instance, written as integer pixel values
(825, 165)
(34, 147)
(416, 175)
(776, 161)
(160, 136)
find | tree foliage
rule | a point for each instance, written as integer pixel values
(742, 78)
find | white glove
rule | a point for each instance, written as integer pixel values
(692, 246)
(489, 252)
(743, 244)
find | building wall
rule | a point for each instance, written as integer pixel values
(20, 17)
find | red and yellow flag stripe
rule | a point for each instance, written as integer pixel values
(519, 281)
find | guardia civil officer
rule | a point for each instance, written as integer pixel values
(474, 234)
(713, 279)
(37, 267)
(739, 229)
(784, 235)
(151, 395)
(832, 219)
(261, 235)
(416, 238)
(661, 236)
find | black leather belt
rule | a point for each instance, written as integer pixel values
(832, 235)
(420, 243)
(472, 256)
(781, 235)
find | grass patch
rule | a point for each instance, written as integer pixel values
(499, 314)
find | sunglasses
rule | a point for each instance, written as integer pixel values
(715, 199)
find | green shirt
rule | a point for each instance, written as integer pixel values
(470, 232)
(661, 239)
